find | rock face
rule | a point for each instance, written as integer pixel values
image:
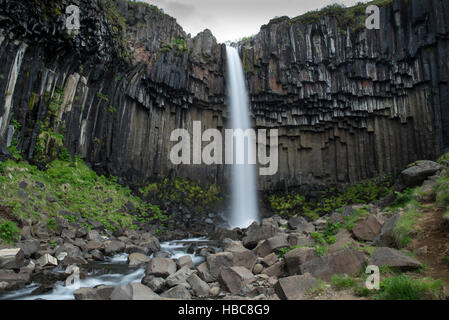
(338, 94)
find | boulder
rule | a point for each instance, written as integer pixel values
(11, 258)
(130, 248)
(97, 255)
(114, 246)
(48, 260)
(133, 291)
(416, 174)
(178, 292)
(256, 233)
(235, 278)
(343, 240)
(272, 244)
(154, 283)
(393, 258)
(270, 259)
(300, 224)
(137, 259)
(347, 261)
(200, 288)
(94, 235)
(258, 268)
(185, 261)
(276, 270)
(295, 258)
(178, 277)
(299, 239)
(203, 272)
(161, 267)
(68, 234)
(245, 258)
(295, 287)
(15, 280)
(29, 247)
(367, 229)
(386, 237)
(100, 292)
(94, 245)
(218, 261)
(152, 244)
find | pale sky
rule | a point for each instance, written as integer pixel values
(235, 19)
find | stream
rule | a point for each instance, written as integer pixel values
(117, 272)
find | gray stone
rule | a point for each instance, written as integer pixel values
(273, 244)
(347, 261)
(416, 174)
(367, 229)
(47, 260)
(185, 261)
(29, 247)
(137, 259)
(270, 259)
(100, 292)
(218, 261)
(393, 258)
(235, 278)
(276, 270)
(178, 292)
(386, 237)
(161, 267)
(203, 272)
(178, 277)
(295, 258)
(200, 288)
(245, 258)
(154, 283)
(133, 291)
(11, 258)
(295, 287)
(258, 268)
(256, 233)
(113, 247)
(300, 224)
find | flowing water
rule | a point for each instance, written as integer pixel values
(244, 196)
(114, 272)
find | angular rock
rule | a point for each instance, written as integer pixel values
(178, 292)
(29, 247)
(299, 239)
(235, 278)
(185, 261)
(218, 261)
(152, 244)
(256, 233)
(295, 258)
(343, 240)
(94, 245)
(203, 272)
(415, 175)
(154, 283)
(114, 246)
(178, 277)
(295, 287)
(137, 259)
(393, 258)
(367, 229)
(272, 244)
(47, 260)
(300, 224)
(133, 291)
(347, 261)
(270, 259)
(245, 258)
(276, 270)
(200, 288)
(386, 237)
(11, 258)
(100, 292)
(161, 267)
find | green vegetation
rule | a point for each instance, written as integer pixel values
(352, 17)
(102, 96)
(118, 29)
(446, 259)
(9, 232)
(177, 43)
(442, 190)
(403, 287)
(184, 192)
(330, 199)
(362, 291)
(341, 282)
(77, 190)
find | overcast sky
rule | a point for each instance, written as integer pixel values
(235, 19)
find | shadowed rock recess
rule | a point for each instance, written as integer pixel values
(350, 103)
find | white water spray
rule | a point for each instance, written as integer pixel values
(244, 196)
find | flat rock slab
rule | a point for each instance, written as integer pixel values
(393, 258)
(416, 174)
(295, 287)
(178, 292)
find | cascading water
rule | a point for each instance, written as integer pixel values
(244, 196)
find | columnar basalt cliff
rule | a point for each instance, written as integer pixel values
(350, 103)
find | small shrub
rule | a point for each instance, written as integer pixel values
(405, 288)
(341, 282)
(9, 232)
(362, 291)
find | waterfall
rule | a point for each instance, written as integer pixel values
(244, 195)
